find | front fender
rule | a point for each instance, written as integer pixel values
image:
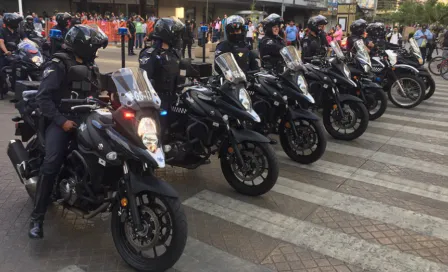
(243, 135)
(294, 114)
(406, 68)
(349, 97)
(152, 184)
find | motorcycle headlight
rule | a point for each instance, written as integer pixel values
(147, 131)
(367, 68)
(302, 84)
(245, 99)
(36, 60)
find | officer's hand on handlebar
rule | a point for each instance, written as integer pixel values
(69, 125)
(8, 53)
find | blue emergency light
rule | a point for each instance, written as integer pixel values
(122, 31)
(55, 34)
(204, 29)
(163, 113)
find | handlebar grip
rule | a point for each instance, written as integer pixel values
(74, 101)
(181, 86)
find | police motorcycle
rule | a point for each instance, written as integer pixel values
(209, 118)
(282, 101)
(413, 58)
(402, 83)
(360, 65)
(110, 167)
(345, 117)
(25, 64)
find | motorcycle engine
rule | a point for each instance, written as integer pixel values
(67, 188)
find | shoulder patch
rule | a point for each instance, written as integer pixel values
(144, 60)
(47, 72)
(150, 50)
(270, 42)
(55, 60)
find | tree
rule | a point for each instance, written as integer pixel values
(412, 12)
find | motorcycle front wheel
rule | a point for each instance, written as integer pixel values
(376, 103)
(161, 242)
(412, 94)
(351, 125)
(258, 174)
(430, 86)
(309, 144)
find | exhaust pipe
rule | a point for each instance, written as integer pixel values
(18, 156)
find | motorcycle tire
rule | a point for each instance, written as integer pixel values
(381, 97)
(178, 240)
(230, 173)
(358, 108)
(290, 148)
(430, 86)
(417, 101)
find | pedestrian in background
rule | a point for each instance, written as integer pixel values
(260, 34)
(144, 32)
(250, 35)
(200, 35)
(140, 35)
(394, 37)
(337, 35)
(217, 30)
(223, 25)
(291, 34)
(422, 36)
(131, 34)
(187, 38)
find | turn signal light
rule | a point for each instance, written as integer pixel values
(230, 150)
(287, 125)
(128, 115)
(124, 202)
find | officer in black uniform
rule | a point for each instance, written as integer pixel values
(376, 37)
(235, 44)
(161, 61)
(272, 42)
(314, 43)
(10, 34)
(28, 27)
(63, 20)
(357, 30)
(81, 44)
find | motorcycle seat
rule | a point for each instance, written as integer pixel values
(28, 95)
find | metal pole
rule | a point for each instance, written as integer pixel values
(122, 31)
(283, 6)
(20, 7)
(206, 14)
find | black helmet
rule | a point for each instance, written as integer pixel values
(12, 20)
(358, 27)
(84, 41)
(270, 21)
(63, 19)
(29, 19)
(75, 21)
(233, 23)
(168, 30)
(315, 22)
(376, 30)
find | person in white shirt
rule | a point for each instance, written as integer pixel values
(250, 35)
(260, 34)
(394, 37)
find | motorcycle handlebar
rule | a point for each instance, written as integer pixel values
(181, 86)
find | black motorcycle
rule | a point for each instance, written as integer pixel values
(278, 99)
(110, 167)
(414, 59)
(360, 65)
(401, 82)
(345, 117)
(24, 64)
(209, 119)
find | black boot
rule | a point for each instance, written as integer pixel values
(36, 230)
(43, 193)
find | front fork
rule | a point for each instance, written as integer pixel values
(132, 202)
(395, 78)
(337, 102)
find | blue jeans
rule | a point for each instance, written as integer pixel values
(139, 40)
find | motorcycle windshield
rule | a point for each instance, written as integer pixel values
(337, 49)
(30, 47)
(230, 69)
(362, 54)
(414, 48)
(291, 57)
(134, 89)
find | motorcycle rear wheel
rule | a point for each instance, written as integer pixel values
(166, 218)
(379, 97)
(244, 180)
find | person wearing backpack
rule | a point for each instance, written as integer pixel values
(187, 38)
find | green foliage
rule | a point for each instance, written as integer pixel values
(412, 12)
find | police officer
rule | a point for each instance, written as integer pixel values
(81, 45)
(161, 61)
(376, 37)
(28, 27)
(63, 20)
(357, 29)
(314, 43)
(235, 43)
(272, 42)
(10, 34)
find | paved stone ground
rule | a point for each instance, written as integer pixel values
(378, 203)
